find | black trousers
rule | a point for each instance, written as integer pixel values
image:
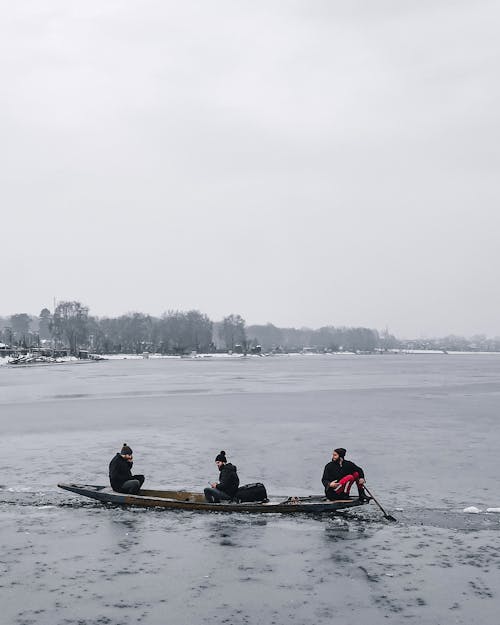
(214, 495)
(133, 486)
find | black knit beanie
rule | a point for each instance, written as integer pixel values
(341, 451)
(221, 457)
(126, 450)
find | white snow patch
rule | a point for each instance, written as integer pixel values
(492, 509)
(472, 510)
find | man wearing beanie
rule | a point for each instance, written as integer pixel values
(120, 473)
(225, 489)
(340, 474)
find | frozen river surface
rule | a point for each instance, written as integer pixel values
(424, 427)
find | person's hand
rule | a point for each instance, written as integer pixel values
(214, 485)
(333, 484)
(361, 481)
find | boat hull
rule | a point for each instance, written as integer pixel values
(185, 500)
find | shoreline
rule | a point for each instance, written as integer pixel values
(6, 360)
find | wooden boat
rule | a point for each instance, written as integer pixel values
(186, 500)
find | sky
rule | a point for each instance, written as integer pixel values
(304, 163)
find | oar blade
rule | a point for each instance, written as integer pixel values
(386, 516)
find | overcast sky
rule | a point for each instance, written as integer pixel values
(300, 163)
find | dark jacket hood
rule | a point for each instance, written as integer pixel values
(228, 467)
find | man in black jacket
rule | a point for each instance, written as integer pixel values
(120, 473)
(340, 474)
(225, 489)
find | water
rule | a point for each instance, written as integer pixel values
(425, 429)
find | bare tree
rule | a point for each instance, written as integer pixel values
(20, 324)
(44, 323)
(70, 324)
(233, 332)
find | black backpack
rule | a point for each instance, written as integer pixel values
(251, 492)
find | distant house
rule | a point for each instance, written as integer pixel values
(5, 350)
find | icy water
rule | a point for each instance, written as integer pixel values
(424, 427)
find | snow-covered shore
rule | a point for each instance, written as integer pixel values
(7, 360)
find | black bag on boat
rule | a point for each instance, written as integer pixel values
(251, 492)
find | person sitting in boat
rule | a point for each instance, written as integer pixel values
(120, 473)
(340, 474)
(225, 489)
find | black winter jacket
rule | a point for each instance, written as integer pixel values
(334, 471)
(120, 470)
(228, 479)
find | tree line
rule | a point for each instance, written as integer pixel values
(72, 327)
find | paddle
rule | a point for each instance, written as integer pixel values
(386, 516)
